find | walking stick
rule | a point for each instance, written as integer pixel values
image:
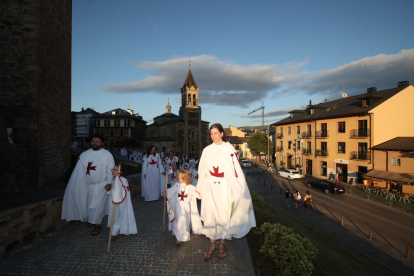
(165, 203)
(112, 219)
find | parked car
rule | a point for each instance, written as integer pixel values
(245, 164)
(327, 186)
(291, 174)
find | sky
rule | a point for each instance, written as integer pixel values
(132, 53)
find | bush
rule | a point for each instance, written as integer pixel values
(291, 253)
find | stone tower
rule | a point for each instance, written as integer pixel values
(190, 113)
(168, 108)
(35, 94)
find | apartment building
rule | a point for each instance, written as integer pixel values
(333, 139)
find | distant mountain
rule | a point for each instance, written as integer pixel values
(253, 127)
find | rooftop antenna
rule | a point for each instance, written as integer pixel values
(344, 95)
(189, 63)
(128, 105)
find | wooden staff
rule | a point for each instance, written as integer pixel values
(112, 219)
(165, 203)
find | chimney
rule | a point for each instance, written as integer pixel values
(371, 90)
(310, 102)
(403, 83)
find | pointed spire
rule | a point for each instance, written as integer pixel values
(168, 107)
(189, 80)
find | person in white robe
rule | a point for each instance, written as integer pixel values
(194, 175)
(153, 184)
(170, 161)
(124, 218)
(85, 197)
(226, 205)
(182, 197)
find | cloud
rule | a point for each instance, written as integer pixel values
(226, 83)
(221, 82)
(382, 71)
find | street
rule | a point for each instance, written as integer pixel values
(392, 227)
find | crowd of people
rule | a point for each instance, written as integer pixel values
(216, 179)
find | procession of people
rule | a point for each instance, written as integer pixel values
(216, 179)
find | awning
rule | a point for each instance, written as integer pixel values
(403, 178)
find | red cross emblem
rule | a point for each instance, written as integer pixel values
(12, 135)
(173, 176)
(216, 173)
(152, 162)
(90, 168)
(182, 196)
(196, 177)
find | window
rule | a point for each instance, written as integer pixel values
(194, 99)
(288, 130)
(341, 147)
(192, 147)
(122, 131)
(341, 127)
(101, 130)
(281, 158)
(324, 146)
(396, 161)
(189, 99)
(112, 131)
(128, 122)
(289, 144)
(298, 129)
(281, 130)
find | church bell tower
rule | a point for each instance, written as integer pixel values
(190, 113)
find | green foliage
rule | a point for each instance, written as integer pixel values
(128, 142)
(291, 253)
(260, 212)
(258, 143)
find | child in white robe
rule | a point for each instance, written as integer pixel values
(182, 196)
(124, 218)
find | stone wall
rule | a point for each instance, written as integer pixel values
(35, 94)
(22, 225)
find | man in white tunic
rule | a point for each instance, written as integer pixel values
(85, 197)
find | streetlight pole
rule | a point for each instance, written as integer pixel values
(268, 135)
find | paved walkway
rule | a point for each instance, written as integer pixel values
(73, 251)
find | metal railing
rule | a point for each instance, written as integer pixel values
(306, 151)
(279, 135)
(322, 134)
(279, 149)
(307, 135)
(359, 133)
(357, 155)
(324, 152)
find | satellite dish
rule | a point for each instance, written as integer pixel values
(344, 95)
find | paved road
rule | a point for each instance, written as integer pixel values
(73, 251)
(393, 228)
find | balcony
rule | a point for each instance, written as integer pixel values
(307, 135)
(322, 134)
(306, 151)
(359, 133)
(324, 152)
(356, 155)
(279, 149)
(279, 136)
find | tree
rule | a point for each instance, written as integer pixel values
(257, 143)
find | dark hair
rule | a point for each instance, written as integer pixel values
(99, 136)
(219, 127)
(149, 149)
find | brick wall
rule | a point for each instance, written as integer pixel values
(35, 94)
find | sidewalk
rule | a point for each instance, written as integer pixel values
(73, 251)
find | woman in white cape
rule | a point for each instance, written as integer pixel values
(152, 169)
(226, 205)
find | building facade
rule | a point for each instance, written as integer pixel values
(333, 139)
(85, 123)
(185, 133)
(119, 124)
(393, 165)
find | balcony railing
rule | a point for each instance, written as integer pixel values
(279, 135)
(356, 155)
(307, 151)
(322, 134)
(279, 148)
(359, 133)
(324, 152)
(307, 135)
